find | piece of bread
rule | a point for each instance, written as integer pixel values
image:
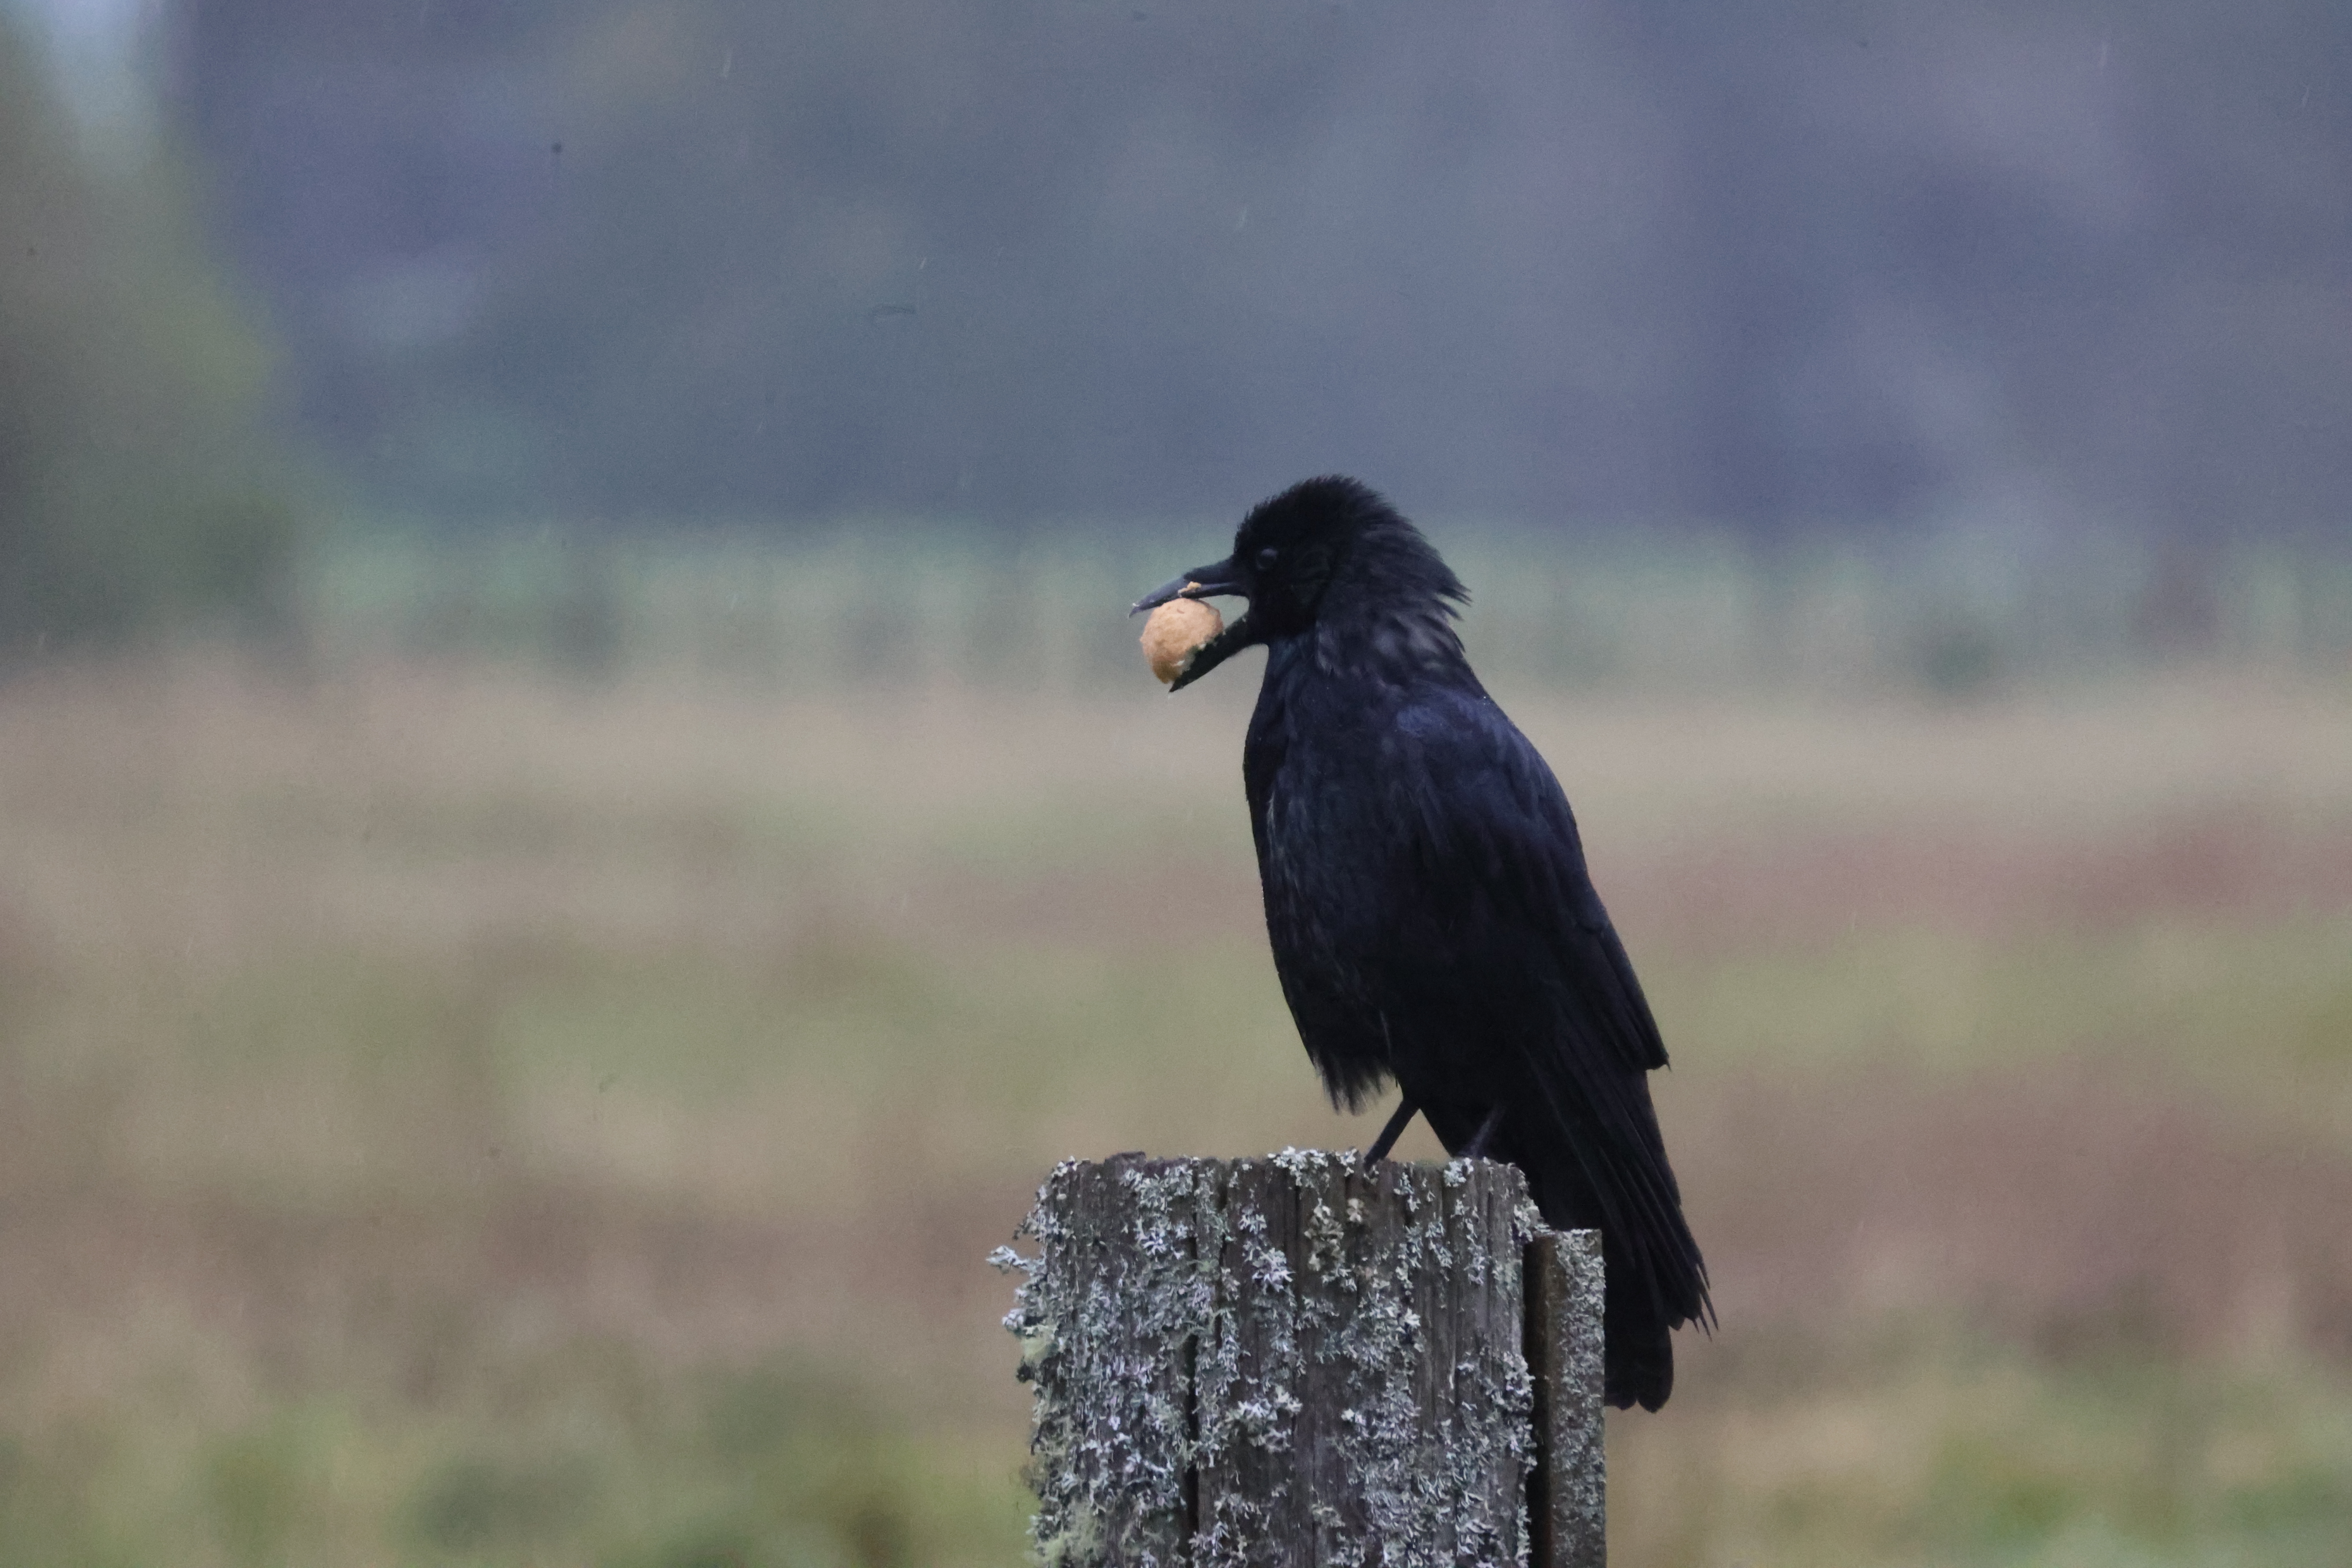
(1175, 632)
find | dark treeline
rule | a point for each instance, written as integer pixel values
(1770, 265)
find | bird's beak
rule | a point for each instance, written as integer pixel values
(1217, 580)
(1214, 580)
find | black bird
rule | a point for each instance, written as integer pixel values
(1427, 901)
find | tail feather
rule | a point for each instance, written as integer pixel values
(1639, 1365)
(1655, 1279)
(1643, 1305)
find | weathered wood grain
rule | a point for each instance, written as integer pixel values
(1121, 1292)
(1289, 1361)
(1568, 1498)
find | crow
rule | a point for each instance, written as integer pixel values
(1427, 901)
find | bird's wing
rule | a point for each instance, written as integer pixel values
(1518, 949)
(1494, 841)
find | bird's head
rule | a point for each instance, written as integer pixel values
(1324, 548)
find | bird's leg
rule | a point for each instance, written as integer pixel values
(1477, 1148)
(1393, 1131)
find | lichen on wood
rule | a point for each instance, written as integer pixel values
(1570, 1518)
(1277, 1361)
(1121, 1289)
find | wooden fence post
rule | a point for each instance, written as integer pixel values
(1291, 1360)
(1567, 1503)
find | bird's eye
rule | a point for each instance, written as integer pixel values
(1267, 557)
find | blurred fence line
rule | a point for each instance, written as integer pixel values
(1950, 614)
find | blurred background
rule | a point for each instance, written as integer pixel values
(579, 820)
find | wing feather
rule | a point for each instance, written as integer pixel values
(1529, 949)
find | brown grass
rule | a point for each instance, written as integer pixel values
(376, 1031)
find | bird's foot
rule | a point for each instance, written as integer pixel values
(1405, 1110)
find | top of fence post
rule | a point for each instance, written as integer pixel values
(1292, 1359)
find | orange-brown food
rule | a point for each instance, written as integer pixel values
(1175, 632)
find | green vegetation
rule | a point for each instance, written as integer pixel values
(138, 488)
(893, 600)
(586, 1454)
(1941, 1450)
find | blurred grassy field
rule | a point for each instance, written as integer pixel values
(453, 1113)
